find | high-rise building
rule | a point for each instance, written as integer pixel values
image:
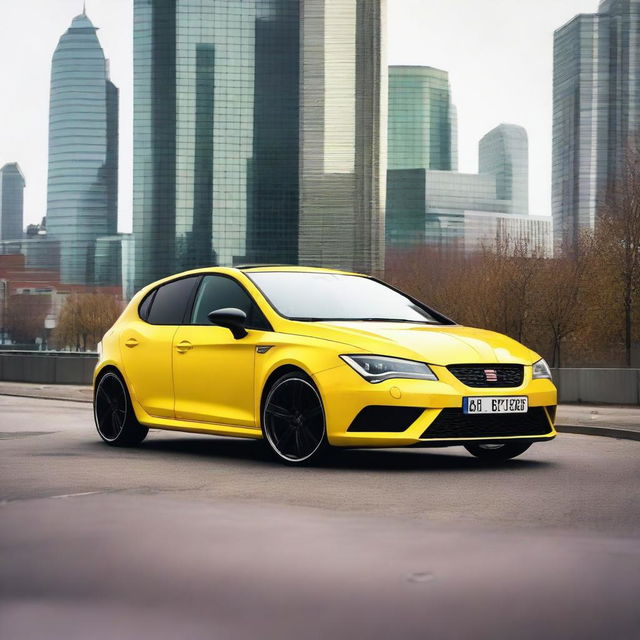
(448, 208)
(458, 211)
(596, 111)
(422, 131)
(11, 202)
(257, 133)
(83, 151)
(504, 154)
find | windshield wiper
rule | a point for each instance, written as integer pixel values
(394, 320)
(312, 319)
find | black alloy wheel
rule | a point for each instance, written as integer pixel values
(115, 420)
(497, 452)
(293, 419)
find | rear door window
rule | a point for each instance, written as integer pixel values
(171, 300)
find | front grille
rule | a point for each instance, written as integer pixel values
(453, 423)
(488, 375)
(385, 418)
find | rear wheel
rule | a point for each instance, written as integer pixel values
(115, 420)
(497, 452)
(293, 420)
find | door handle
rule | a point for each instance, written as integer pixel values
(183, 346)
(131, 342)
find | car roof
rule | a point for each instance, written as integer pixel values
(289, 268)
(247, 269)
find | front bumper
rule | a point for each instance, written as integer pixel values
(419, 406)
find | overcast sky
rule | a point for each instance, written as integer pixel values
(498, 54)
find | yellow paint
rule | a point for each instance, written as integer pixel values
(216, 385)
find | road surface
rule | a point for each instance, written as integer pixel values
(199, 537)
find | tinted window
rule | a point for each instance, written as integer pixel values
(143, 309)
(332, 296)
(219, 292)
(170, 301)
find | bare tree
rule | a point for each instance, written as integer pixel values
(618, 238)
(84, 319)
(25, 316)
(558, 301)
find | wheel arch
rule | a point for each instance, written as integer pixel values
(104, 369)
(276, 374)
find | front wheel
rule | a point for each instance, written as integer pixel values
(293, 420)
(497, 452)
(115, 420)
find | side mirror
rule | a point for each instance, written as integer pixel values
(232, 319)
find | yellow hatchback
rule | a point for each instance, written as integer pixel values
(310, 358)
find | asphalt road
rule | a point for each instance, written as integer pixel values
(201, 537)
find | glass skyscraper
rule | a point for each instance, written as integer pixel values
(256, 133)
(422, 121)
(596, 111)
(11, 202)
(504, 154)
(83, 151)
(448, 209)
(458, 211)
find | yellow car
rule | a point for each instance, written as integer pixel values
(311, 358)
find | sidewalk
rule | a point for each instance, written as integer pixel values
(600, 420)
(71, 392)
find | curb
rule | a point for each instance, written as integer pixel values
(605, 432)
(40, 397)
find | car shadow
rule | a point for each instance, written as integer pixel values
(401, 459)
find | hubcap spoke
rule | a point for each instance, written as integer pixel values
(105, 424)
(279, 412)
(285, 436)
(312, 413)
(299, 449)
(308, 438)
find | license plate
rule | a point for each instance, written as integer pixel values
(495, 404)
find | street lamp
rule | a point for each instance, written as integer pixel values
(49, 325)
(4, 292)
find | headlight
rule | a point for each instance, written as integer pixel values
(541, 370)
(378, 368)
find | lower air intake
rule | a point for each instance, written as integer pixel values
(453, 423)
(383, 418)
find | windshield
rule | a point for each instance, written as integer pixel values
(311, 296)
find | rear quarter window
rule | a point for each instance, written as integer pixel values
(145, 305)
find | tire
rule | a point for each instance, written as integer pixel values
(497, 452)
(113, 413)
(293, 420)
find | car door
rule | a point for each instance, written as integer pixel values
(146, 345)
(213, 372)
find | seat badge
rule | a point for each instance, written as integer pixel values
(491, 375)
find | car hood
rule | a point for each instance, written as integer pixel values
(439, 345)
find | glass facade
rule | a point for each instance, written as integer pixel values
(596, 110)
(343, 135)
(113, 261)
(422, 121)
(429, 206)
(504, 154)
(222, 151)
(11, 202)
(83, 150)
(457, 211)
